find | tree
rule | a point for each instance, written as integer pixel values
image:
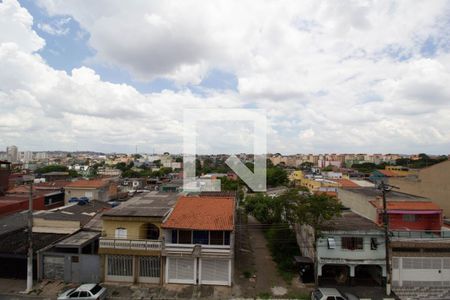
(316, 210)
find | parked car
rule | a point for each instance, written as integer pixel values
(73, 199)
(89, 291)
(331, 294)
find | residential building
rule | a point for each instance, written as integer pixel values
(350, 250)
(432, 182)
(132, 239)
(12, 153)
(5, 170)
(199, 241)
(96, 189)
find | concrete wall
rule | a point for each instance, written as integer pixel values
(77, 268)
(93, 194)
(432, 182)
(358, 203)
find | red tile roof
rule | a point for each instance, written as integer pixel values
(346, 183)
(95, 183)
(202, 213)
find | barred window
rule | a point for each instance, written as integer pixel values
(120, 265)
(352, 243)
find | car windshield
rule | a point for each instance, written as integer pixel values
(317, 295)
(96, 289)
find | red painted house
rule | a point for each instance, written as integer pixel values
(411, 215)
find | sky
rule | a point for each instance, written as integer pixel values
(332, 76)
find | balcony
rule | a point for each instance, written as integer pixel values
(123, 244)
(412, 234)
(197, 250)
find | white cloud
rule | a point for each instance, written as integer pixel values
(58, 27)
(333, 76)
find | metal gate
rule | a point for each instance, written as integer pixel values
(149, 269)
(181, 270)
(215, 271)
(420, 271)
(119, 268)
(54, 267)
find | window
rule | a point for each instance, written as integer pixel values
(96, 289)
(74, 295)
(201, 237)
(409, 218)
(75, 259)
(121, 233)
(184, 237)
(373, 244)
(352, 243)
(152, 232)
(216, 237)
(174, 236)
(227, 238)
(331, 243)
(84, 294)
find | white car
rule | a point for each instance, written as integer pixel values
(89, 291)
(331, 294)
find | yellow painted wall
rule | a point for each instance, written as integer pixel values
(135, 229)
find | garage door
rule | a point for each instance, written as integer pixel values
(54, 267)
(420, 271)
(149, 269)
(215, 271)
(181, 270)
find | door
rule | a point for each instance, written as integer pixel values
(53, 267)
(75, 268)
(181, 270)
(215, 271)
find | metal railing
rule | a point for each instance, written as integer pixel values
(189, 248)
(416, 234)
(107, 243)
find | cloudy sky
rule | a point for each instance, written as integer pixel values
(333, 76)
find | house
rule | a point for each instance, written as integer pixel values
(52, 176)
(17, 199)
(199, 241)
(350, 250)
(96, 189)
(74, 257)
(367, 202)
(431, 182)
(132, 239)
(410, 215)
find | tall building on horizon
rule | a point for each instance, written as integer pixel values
(12, 153)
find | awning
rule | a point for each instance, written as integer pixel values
(303, 260)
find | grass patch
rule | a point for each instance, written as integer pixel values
(264, 295)
(283, 247)
(299, 295)
(247, 274)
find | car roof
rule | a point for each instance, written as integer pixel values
(330, 292)
(86, 287)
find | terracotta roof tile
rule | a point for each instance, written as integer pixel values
(96, 183)
(202, 213)
(409, 205)
(388, 173)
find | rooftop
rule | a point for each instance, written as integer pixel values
(350, 221)
(202, 213)
(372, 193)
(151, 204)
(79, 239)
(95, 184)
(16, 242)
(13, 222)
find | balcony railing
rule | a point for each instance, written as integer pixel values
(147, 245)
(204, 249)
(412, 234)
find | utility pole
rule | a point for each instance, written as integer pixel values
(30, 240)
(385, 188)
